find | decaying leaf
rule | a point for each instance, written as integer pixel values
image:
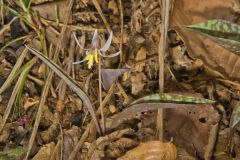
(96, 150)
(45, 152)
(70, 140)
(138, 82)
(109, 76)
(141, 55)
(191, 127)
(119, 147)
(235, 117)
(152, 150)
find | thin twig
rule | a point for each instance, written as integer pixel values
(165, 6)
(100, 94)
(121, 41)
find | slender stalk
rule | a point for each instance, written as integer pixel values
(165, 6)
(100, 95)
(121, 40)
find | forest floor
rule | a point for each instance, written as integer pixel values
(56, 109)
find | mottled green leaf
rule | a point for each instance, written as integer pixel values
(226, 34)
(172, 98)
(235, 117)
(218, 28)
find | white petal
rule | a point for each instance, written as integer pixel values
(110, 55)
(80, 61)
(79, 45)
(95, 39)
(107, 44)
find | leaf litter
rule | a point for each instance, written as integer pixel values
(200, 87)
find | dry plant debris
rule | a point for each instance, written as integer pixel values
(52, 109)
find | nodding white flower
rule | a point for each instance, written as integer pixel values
(94, 51)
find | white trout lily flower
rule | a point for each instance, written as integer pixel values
(94, 52)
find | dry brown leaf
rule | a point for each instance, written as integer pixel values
(117, 148)
(47, 10)
(112, 108)
(182, 60)
(70, 140)
(51, 133)
(97, 148)
(29, 103)
(45, 152)
(112, 5)
(152, 150)
(141, 55)
(216, 58)
(190, 127)
(138, 83)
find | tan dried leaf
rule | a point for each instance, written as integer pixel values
(45, 152)
(154, 150)
(29, 103)
(112, 5)
(112, 108)
(141, 55)
(41, 69)
(138, 83)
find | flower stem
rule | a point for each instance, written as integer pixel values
(100, 95)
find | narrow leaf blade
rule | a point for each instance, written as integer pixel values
(172, 98)
(70, 82)
(144, 107)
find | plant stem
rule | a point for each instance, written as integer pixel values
(100, 95)
(165, 6)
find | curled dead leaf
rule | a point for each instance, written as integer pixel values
(152, 150)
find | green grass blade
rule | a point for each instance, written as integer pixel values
(27, 67)
(13, 73)
(14, 94)
(12, 42)
(10, 9)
